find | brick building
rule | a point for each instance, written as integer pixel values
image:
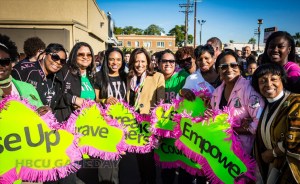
(152, 43)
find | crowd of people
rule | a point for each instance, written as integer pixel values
(263, 92)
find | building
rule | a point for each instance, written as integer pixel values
(54, 21)
(152, 43)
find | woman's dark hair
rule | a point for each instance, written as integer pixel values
(288, 37)
(231, 53)
(32, 46)
(9, 47)
(72, 62)
(163, 53)
(269, 68)
(150, 70)
(201, 49)
(104, 80)
(54, 48)
(184, 51)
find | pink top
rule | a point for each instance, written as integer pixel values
(292, 70)
(244, 102)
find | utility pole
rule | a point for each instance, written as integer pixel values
(195, 21)
(259, 22)
(187, 11)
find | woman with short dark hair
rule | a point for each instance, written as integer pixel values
(277, 144)
(237, 93)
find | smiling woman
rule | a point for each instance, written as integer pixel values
(8, 85)
(41, 74)
(277, 142)
(236, 92)
(280, 48)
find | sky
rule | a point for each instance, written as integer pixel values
(226, 19)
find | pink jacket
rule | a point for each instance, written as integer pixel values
(245, 103)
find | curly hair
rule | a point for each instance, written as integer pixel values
(32, 46)
(9, 47)
(184, 51)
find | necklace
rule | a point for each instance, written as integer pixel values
(6, 86)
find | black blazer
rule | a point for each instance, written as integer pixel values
(68, 87)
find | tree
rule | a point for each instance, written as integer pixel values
(297, 39)
(178, 31)
(118, 31)
(153, 30)
(252, 41)
(231, 41)
(132, 30)
(190, 39)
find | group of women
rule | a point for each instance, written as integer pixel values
(267, 109)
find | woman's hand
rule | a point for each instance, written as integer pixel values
(78, 102)
(187, 94)
(43, 110)
(267, 156)
(111, 101)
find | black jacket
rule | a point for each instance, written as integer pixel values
(68, 88)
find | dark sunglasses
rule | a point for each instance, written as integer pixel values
(168, 60)
(55, 57)
(5, 61)
(182, 61)
(225, 66)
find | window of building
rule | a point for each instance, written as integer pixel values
(120, 43)
(129, 43)
(137, 44)
(147, 44)
(170, 44)
(160, 44)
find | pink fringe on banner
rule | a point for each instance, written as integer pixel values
(162, 132)
(71, 123)
(236, 148)
(176, 164)
(9, 177)
(30, 174)
(153, 141)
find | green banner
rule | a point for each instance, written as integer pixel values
(208, 141)
(28, 145)
(98, 136)
(138, 134)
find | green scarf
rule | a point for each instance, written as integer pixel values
(5, 81)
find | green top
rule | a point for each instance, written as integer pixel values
(28, 91)
(174, 84)
(87, 90)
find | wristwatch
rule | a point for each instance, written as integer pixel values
(274, 154)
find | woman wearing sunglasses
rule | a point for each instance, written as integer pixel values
(8, 85)
(41, 74)
(76, 81)
(237, 93)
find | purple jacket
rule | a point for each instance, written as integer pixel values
(245, 102)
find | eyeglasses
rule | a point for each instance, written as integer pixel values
(168, 60)
(55, 57)
(225, 66)
(82, 55)
(5, 61)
